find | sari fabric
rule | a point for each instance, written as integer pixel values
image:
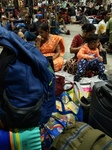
(71, 64)
(49, 47)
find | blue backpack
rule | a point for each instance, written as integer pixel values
(27, 83)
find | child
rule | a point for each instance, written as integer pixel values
(88, 57)
(78, 40)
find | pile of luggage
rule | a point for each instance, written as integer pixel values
(92, 126)
(39, 110)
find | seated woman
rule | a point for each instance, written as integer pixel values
(50, 45)
(77, 42)
(89, 57)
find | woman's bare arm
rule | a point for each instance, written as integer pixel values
(74, 49)
(57, 52)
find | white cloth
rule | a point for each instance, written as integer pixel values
(101, 27)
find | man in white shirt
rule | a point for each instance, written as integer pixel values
(101, 28)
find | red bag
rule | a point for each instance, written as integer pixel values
(60, 81)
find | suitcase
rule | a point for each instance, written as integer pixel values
(100, 115)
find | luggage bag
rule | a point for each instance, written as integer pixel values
(100, 116)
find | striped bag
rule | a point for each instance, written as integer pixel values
(82, 136)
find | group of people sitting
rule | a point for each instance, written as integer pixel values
(87, 60)
(39, 35)
(86, 47)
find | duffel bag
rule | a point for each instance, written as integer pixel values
(81, 136)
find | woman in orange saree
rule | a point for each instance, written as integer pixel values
(51, 45)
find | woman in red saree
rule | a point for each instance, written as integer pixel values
(51, 45)
(78, 40)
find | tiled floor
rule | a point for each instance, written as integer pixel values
(75, 29)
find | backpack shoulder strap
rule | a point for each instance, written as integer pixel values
(5, 57)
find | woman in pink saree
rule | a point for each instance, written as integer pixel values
(51, 45)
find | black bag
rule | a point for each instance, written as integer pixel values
(50, 59)
(100, 116)
(104, 55)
